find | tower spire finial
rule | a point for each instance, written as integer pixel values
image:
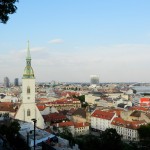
(28, 51)
(28, 71)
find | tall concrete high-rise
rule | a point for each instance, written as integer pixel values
(16, 82)
(6, 82)
(94, 80)
(28, 109)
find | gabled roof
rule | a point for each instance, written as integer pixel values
(54, 117)
(80, 124)
(65, 101)
(127, 124)
(70, 123)
(80, 112)
(136, 113)
(7, 106)
(138, 108)
(103, 114)
(65, 124)
(71, 111)
(117, 111)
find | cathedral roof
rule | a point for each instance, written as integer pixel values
(28, 71)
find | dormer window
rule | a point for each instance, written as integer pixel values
(28, 90)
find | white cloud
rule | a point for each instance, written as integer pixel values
(56, 41)
(113, 63)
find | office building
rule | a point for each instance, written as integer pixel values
(6, 82)
(94, 79)
(16, 82)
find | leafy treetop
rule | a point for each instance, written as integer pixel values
(7, 7)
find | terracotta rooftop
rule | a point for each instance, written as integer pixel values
(138, 108)
(69, 93)
(65, 101)
(103, 114)
(54, 117)
(41, 107)
(42, 99)
(66, 124)
(70, 123)
(80, 124)
(117, 111)
(7, 106)
(127, 124)
(79, 112)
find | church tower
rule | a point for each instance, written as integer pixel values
(28, 109)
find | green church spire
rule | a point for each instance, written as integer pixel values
(28, 71)
(28, 52)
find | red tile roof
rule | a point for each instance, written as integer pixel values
(69, 93)
(54, 117)
(144, 99)
(80, 124)
(138, 108)
(127, 124)
(41, 107)
(117, 111)
(43, 99)
(7, 106)
(65, 101)
(65, 124)
(70, 123)
(103, 114)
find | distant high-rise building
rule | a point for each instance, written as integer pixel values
(16, 82)
(94, 79)
(6, 82)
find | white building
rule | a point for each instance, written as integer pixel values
(28, 109)
(128, 129)
(101, 120)
(76, 128)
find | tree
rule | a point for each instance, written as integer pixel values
(110, 139)
(144, 132)
(66, 134)
(7, 7)
(88, 142)
(14, 128)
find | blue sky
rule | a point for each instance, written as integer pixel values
(73, 39)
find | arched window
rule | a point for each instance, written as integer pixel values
(28, 90)
(28, 112)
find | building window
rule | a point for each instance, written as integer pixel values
(28, 90)
(28, 112)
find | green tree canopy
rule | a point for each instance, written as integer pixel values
(144, 132)
(7, 7)
(111, 139)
